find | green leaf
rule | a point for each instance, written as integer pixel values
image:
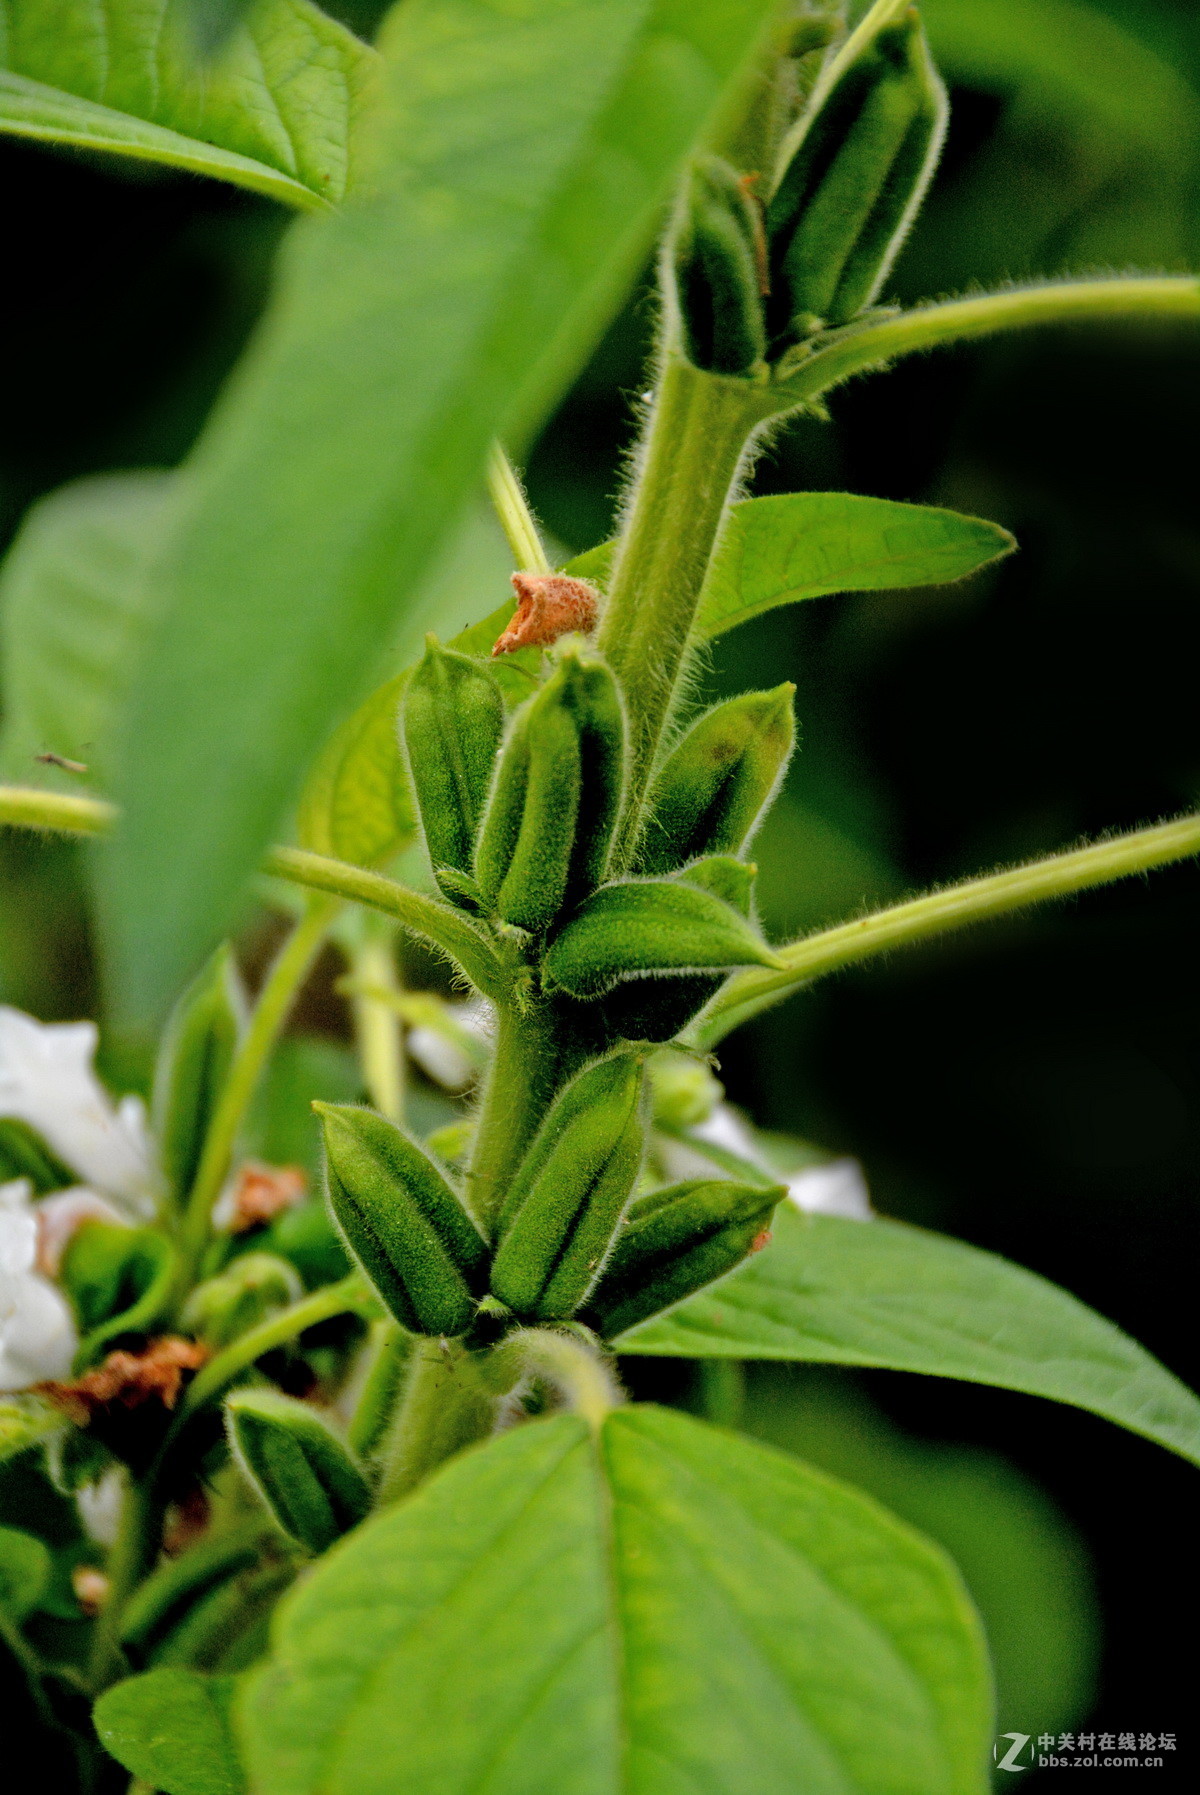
(358, 803)
(881, 1293)
(25, 1570)
(276, 109)
(73, 598)
(671, 1609)
(172, 1729)
(808, 544)
(796, 545)
(406, 330)
(26, 1421)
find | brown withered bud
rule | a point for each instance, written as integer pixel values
(261, 1192)
(549, 605)
(127, 1380)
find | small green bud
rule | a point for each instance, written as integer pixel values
(728, 879)
(453, 718)
(854, 172)
(720, 263)
(673, 1243)
(193, 1062)
(650, 926)
(295, 1461)
(402, 1221)
(683, 1091)
(120, 1281)
(715, 785)
(566, 1199)
(252, 1288)
(545, 838)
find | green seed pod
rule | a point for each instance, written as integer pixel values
(200, 1041)
(120, 1281)
(295, 1461)
(566, 1199)
(854, 172)
(649, 926)
(162, 1604)
(545, 838)
(453, 718)
(673, 1243)
(719, 258)
(253, 1287)
(402, 1221)
(712, 791)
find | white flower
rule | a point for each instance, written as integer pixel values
(37, 1332)
(838, 1188)
(99, 1506)
(445, 1039)
(47, 1081)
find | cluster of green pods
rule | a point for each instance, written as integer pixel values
(754, 277)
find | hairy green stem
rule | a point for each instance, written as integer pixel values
(695, 445)
(378, 1030)
(997, 894)
(861, 347)
(436, 922)
(349, 1296)
(132, 1556)
(580, 1374)
(23, 807)
(516, 519)
(515, 1097)
(444, 1407)
(288, 971)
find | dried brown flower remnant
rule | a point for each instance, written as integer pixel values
(261, 1192)
(549, 605)
(128, 1379)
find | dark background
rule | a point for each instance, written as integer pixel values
(1032, 1086)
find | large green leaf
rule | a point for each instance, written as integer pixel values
(882, 1293)
(666, 1610)
(172, 1729)
(73, 597)
(523, 160)
(778, 550)
(276, 109)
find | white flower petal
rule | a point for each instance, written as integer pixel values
(835, 1189)
(47, 1081)
(18, 1229)
(99, 1506)
(37, 1332)
(439, 1058)
(59, 1215)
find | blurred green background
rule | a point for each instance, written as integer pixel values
(1032, 1087)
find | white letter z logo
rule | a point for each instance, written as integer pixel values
(1019, 1742)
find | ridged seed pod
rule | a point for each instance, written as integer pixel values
(200, 1041)
(306, 1477)
(854, 172)
(546, 834)
(713, 788)
(452, 721)
(402, 1221)
(658, 1009)
(719, 259)
(567, 1197)
(673, 1243)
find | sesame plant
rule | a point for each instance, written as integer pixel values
(380, 1514)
